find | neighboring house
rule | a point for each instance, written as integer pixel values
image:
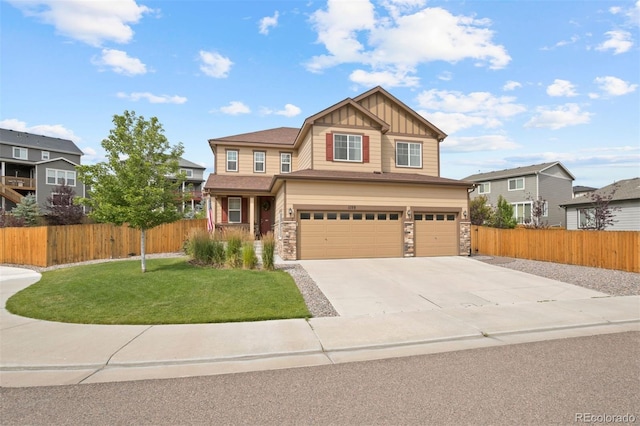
(625, 205)
(35, 164)
(581, 191)
(192, 186)
(358, 179)
(550, 182)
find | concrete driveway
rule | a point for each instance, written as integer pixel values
(376, 286)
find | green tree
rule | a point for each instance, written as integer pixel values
(480, 210)
(139, 182)
(27, 210)
(503, 215)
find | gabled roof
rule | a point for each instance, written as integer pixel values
(51, 160)
(580, 188)
(30, 140)
(186, 163)
(628, 189)
(280, 136)
(518, 171)
(441, 135)
(219, 183)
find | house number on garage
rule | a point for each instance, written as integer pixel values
(351, 207)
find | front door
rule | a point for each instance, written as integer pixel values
(266, 214)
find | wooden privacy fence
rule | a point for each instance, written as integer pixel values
(55, 245)
(602, 249)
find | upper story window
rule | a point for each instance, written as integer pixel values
(61, 177)
(484, 188)
(188, 172)
(516, 184)
(45, 155)
(347, 147)
(232, 161)
(285, 162)
(259, 159)
(408, 154)
(20, 153)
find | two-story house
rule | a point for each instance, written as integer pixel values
(35, 164)
(358, 179)
(192, 185)
(521, 186)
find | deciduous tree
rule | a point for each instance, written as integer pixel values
(60, 208)
(139, 182)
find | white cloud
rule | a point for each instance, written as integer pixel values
(562, 116)
(235, 108)
(154, 99)
(383, 78)
(52, 130)
(478, 143)
(445, 76)
(613, 86)
(354, 32)
(561, 43)
(619, 41)
(289, 110)
(268, 22)
(454, 111)
(511, 85)
(120, 62)
(92, 22)
(214, 64)
(561, 88)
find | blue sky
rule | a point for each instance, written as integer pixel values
(513, 83)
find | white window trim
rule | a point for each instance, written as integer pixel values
(587, 225)
(515, 179)
(347, 159)
(235, 210)
(545, 209)
(523, 204)
(46, 155)
(236, 160)
(188, 172)
(256, 162)
(19, 157)
(409, 166)
(480, 185)
(66, 177)
(282, 162)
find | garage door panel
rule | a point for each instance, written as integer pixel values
(436, 234)
(344, 235)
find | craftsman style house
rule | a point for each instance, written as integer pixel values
(521, 186)
(358, 179)
(35, 164)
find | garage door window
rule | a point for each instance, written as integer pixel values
(332, 216)
(318, 216)
(370, 216)
(305, 216)
(357, 216)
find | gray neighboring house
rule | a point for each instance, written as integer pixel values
(35, 164)
(581, 191)
(626, 199)
(551, 182)
(192, 186)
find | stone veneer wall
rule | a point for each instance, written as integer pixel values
(465, 238)
(287, 240)
(409, 240)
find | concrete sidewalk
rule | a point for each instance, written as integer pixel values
(42, 353)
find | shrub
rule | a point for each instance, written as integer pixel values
(503, 215)
(268, 250)
(249, 258)
(204, 248)
(7, 220)
(27, 210)
(234, 238)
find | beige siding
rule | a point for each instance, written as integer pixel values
(429, 155)
(361, 195)
(304, 153)
(347, 116)
(399, 119)
(320, 155)
(245, 161)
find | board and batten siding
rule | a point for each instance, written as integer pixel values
(396, 116)
(364, 194)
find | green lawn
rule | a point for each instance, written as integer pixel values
(171, 292)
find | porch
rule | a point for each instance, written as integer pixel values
(254, 214)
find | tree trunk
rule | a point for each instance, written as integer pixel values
(142, 250)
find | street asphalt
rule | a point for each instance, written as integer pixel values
(388, 308)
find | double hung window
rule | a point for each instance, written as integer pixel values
(347, 147)
(408, 154)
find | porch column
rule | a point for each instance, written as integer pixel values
(252, 215)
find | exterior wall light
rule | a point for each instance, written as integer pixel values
(290, 212)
